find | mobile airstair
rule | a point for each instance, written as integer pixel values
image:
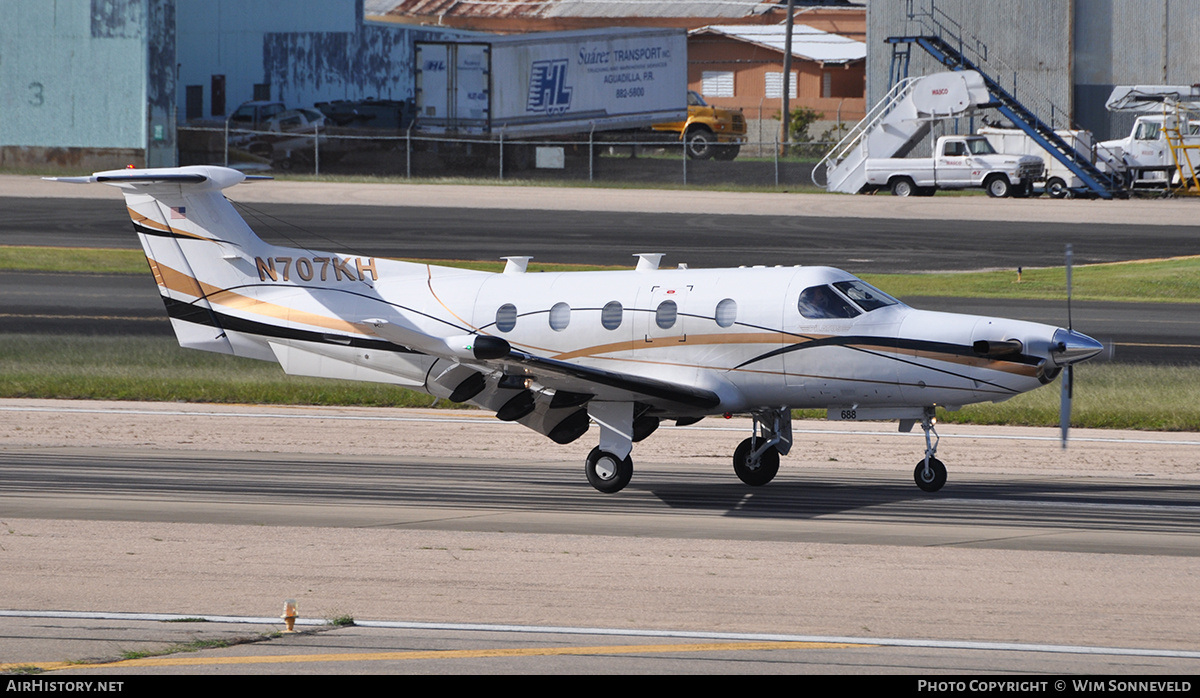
(898, 122)
(845, 164)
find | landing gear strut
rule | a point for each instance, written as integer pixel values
(756, 460)
(930, 473)
(609, 466)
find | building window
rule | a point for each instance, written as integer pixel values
(717, 83)
(827, 84)
(610, 317)
(262, 92)
(194, 102)
(218, 95)
(506, 317)
(665, 316)
(726, 313)
(774, 85)
(560, 317)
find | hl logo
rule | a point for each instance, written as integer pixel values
(275, 268)
(548, 91)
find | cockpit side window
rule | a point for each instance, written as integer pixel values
(821, 302)
(865, 295)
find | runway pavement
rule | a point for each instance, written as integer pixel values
(366, 513)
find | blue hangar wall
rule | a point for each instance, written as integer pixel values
(91, 84)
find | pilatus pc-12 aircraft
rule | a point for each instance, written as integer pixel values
(558, 351)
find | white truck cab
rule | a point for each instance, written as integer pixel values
(1146, 152)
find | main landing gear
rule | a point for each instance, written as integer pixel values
(606, 472)
(756, 460)
(609, 466)
(930, 473)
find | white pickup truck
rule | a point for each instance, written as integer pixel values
(961, 162)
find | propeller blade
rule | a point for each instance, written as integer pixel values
(1064, 405)
(1068, 376)
(1070, 257)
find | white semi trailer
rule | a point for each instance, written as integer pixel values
(552, 83)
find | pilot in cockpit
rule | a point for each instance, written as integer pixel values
(821, 302)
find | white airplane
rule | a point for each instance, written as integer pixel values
(557, 351)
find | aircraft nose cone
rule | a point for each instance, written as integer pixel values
(1070, 347)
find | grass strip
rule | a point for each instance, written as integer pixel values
(1174, 280)
(1120, 396)
(157, 369)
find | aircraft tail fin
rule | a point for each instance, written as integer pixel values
(194, 240)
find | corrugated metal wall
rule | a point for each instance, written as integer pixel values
(374, 61)
(1131, 42)
(1023, 43)
(101, 83)
(1065, 53)
(306, 50)
(73, 74)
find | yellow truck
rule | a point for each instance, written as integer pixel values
(709, 132)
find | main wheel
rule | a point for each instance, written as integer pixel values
(761, 473)
(1057, 188)
(903, 186)
(606, 472)
(998, 186)
(701, 144)
(933, 479)
(728, 152)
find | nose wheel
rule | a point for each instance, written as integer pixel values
(755, 462)
(930, 473)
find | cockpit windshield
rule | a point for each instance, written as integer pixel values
(822, 302)
(865, 295)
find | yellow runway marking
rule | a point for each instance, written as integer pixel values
(176, 660)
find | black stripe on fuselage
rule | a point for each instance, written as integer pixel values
(878, 345)
(190, 312)
(893, 344)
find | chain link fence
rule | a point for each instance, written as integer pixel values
(646, 159)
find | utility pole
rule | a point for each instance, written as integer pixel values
(785, 115)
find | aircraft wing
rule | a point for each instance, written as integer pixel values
(494, 352)
(551, 371)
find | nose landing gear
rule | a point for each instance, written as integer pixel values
(930, 473)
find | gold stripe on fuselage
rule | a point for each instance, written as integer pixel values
(179, 282)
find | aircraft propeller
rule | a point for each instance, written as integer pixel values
(1068, 379)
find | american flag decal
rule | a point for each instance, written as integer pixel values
(178, 212)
